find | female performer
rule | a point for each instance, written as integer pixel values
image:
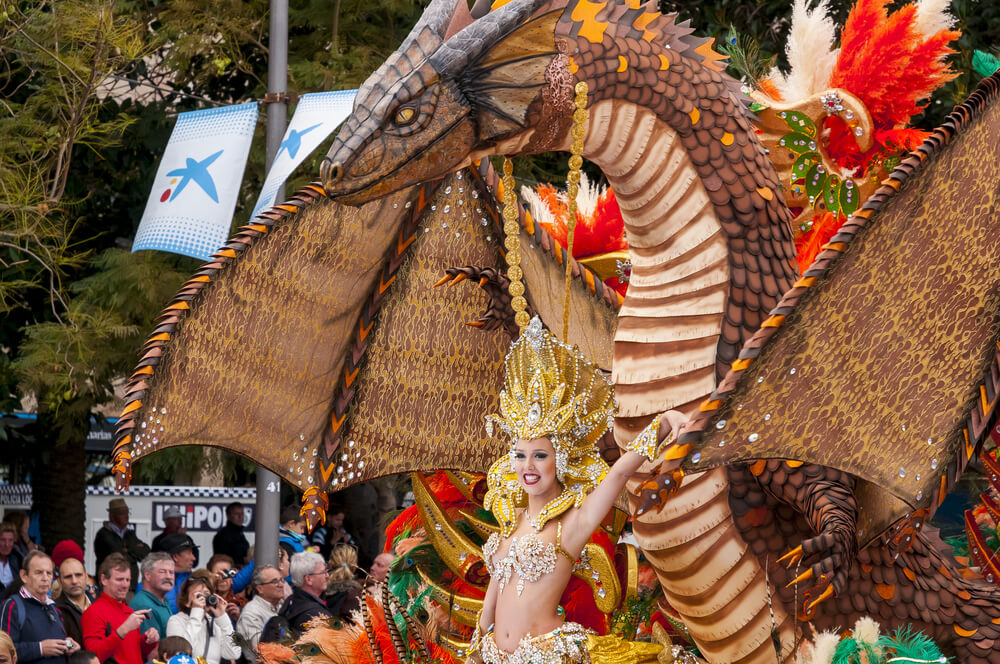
(549, 494)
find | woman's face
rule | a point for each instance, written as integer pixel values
(197, 589)
(223, 582)
(283, 563)
(535, 465)
(7, 656)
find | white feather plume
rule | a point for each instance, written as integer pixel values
(824, 645)
(811, 56)
(933, 16)
(866, 630)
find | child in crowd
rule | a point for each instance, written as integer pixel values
(84, 657)
(8, 655)
(173, 645)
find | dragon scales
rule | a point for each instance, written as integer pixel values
(710, 238)
(712, 253)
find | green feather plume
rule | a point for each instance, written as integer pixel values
(908, 644)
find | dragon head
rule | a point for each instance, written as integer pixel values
(456, 88)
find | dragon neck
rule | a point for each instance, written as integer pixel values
(669, 325)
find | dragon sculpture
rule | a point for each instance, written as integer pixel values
(329, 362)
(712, 253)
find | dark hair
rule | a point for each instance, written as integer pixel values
(182, 596)
(112, 562)
(32, 555)
(219, 558)
(172, 645)
(235, 505)
(83, 657)
(16, 519)
(291, 513)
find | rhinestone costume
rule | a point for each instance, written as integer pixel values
(564, 645)
(550, 390)
(528, 557)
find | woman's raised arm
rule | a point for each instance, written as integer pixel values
(581, 523)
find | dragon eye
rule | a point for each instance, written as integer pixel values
(405, 116)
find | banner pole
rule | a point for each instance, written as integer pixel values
(268, 483)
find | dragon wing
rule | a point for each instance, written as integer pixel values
(314, 345)
(883, 360)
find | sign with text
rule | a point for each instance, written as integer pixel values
(200, 516)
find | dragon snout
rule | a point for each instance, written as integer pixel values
(330, 173)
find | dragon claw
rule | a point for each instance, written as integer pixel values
(825, 595)
(483, 281)
(792, 556)
(441, 282)
(805, 576)
(459, 278)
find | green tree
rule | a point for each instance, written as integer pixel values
(63, 338)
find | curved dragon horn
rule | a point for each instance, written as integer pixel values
(478, 38)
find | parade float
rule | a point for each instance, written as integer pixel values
(808, 279)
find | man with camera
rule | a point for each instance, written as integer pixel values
(110, 627)
(31, 618)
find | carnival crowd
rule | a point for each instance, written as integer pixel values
(151, 601)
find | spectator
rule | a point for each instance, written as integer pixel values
(343, 592)
(243, 578)
(110, 627)
(291, 534)
(83, 657)
(211, 635)
(230, 539)
(326, 538)
(309, 576)
(184, 553)
(8, 654)
(269, 585)
(22, 542)
(173, 645)
(380, 566)
(173, 517)
(31, 618)
(157, 580)
(116, 537)
(74, 599)
(10, 564)
(221, 567)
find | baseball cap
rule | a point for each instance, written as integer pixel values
(176, 542)
(172, 512)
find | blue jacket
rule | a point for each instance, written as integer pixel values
(171, 596)
(38, 623)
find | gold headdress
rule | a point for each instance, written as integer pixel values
(550, 390)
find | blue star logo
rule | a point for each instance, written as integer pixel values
(198, 172)
(294, 141)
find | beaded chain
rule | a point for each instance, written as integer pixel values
(573, 188)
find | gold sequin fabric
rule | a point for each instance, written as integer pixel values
(564, 645)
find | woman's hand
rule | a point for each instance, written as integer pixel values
(233, 609)
(220, 607)
(671, 423)
(198, 601)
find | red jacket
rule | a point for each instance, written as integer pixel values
(99, 623)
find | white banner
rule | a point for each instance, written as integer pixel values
(316, 116)
(190, 208)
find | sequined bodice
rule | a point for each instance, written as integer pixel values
(528, 557)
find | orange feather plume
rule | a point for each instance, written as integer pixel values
(888, 64)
